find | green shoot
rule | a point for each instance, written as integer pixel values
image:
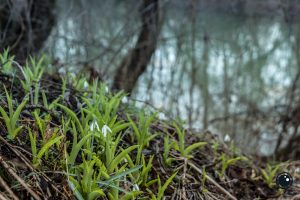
(12, 117)
(269, 174)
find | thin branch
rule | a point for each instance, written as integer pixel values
(18, 178)
(2, 197)
(213, 181)
(7, 188)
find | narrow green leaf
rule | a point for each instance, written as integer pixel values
(194, 146)
(121, 156)
(164, 187)
(48, 146)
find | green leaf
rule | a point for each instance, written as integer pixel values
(117, 129)
(48, 146)
(16, 131)
(135, 128)
(192, 147)
(75, 191)
(96, 194)
(131, 195)
(122, 174)
(121, 156)
(75, 150)
(32, 143)
(73, 115)
(164, 187)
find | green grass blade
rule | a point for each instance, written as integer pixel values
(164, 187)
(194, 146)
(48, 146)
(121, 156)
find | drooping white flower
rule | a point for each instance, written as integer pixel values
(124, 99)
(94, 126)
(227, 138)
(135, 187)
(105, 128)
(85, 85)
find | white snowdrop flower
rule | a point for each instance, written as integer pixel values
(124, 99)
(85, 85)
(135, 187)
(106, 89)
(94, 126)
(105, 128)
(227, 138)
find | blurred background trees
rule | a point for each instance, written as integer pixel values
(25, 25)
(230, 66)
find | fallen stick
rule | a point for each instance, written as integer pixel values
(2, 197)
(7, 188)
(19, 179)
(212, 181)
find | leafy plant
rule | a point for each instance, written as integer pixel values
(167, 147)
(227, 161)
(32, 73)
(185, 151)
(37, 155)
(6, 62)
(12, 117)
(269, 174)
(84, 185)
(91, 181)
(76, 145)
(203, 180)
(161, 188)
(141, 132)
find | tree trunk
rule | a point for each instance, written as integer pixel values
(137, 60)
(25, 26)
(205, 88)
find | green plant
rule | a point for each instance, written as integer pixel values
(12, 117)
(227, 161)
(141, 132)
(84, 185)
(37, 155)
(161, 188)
(146, 168)
(185, 151)
(110, 182)
(76, 146)
(203, 180)
(32, 73)
(269, 174)
(96, 129)
(215, 146)
(167, 147)
(6, 62)
(91, 180)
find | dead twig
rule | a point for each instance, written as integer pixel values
(7, 188)
(212, 181)
(18, 178)
(2, 197)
